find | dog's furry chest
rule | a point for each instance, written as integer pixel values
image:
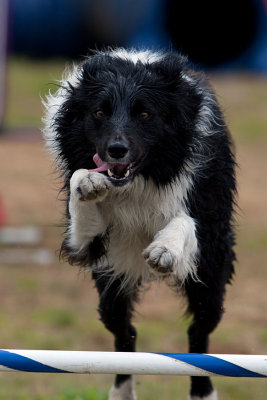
(132, 224)
(134, 218)
(139, 213)
(132, 227)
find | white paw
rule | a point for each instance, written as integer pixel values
(124, 392)
(160, 258)
(212, 396)
(171, 256)
(89, 185)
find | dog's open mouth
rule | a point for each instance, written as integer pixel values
(119, 174)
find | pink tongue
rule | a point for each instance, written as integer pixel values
(101, 165)
(104, 166)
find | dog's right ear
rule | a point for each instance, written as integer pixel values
(94, 66)
(89, 69)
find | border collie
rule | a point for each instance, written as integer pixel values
(149, 175)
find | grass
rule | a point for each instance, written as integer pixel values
(55, 307)
(28, 81)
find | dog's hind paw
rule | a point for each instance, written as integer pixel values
(91, 186)
(212, 396)
(125, 391)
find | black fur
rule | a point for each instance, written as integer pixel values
(174, 137)
(155, 88)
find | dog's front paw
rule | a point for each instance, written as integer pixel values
(89, 185)
(160, 258)
(168, 258)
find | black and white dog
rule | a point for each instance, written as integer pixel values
(149, 173)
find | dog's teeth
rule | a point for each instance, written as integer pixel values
(127, 173)
(110, 173)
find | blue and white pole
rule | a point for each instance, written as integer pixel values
(95, 362)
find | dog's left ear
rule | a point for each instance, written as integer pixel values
(174, 77)
(170, 68)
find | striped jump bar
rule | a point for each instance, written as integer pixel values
(96, 362)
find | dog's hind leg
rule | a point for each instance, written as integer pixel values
(206, 305)
(116, 309)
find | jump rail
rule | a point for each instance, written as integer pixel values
(96, 362)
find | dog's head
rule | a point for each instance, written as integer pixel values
(127, 114)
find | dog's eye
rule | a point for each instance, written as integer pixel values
(100, 114)
(144, 115)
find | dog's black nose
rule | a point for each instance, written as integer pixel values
(117, 150)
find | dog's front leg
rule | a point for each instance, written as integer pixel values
(87, 190)
(174, 249)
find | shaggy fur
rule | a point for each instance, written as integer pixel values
(149, 175)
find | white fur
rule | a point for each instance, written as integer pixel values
(124, 392)
(87, 189)
(206, 117)
(52, 104)
(139, 216)
(189, 79)
(144, 56)
(212, 396)
(174, 248)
